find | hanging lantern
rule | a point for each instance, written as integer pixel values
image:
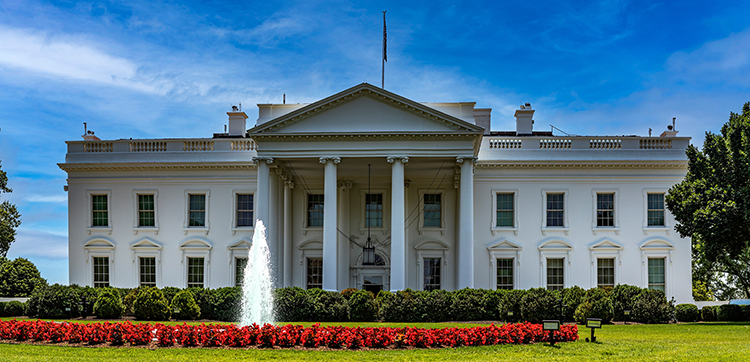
(368, 253)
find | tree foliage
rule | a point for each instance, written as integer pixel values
(19, 278)
(10, 218)
(712, 204)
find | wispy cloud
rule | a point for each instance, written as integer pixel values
(31, 243)
(47, 198)
(725, 60)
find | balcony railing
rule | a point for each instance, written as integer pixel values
(503, 143)
(162, 146)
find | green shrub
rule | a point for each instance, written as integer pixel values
(623, 296)
(184, 307)
(686, 313)
(55, 302)
(226, 303)
(572, 297)
(362, 307)
(708, 313)
(2, 308)
(14, 308)
(729, 312)
(87, 296)
(596, 304)
(511, 302)
(473, 304)
(19, 278)
(432, 306)
(151, 305)
(539, 304)
(396, 307)
(329, 306)
(109, 304)
(170, 292)
(348, 292)
(292, 304)
(746, 312)
(129, 300)
(651, 306)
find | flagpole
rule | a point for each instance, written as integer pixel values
(384, 58)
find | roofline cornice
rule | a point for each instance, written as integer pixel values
(68, 167)
(678, 165)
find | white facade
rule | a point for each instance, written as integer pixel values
(553, 193)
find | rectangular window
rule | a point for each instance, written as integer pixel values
(555, 274)
(146, 214)
(605, 210)
(374, 210)
(504, 273)
(656, 274)
(431, 273)
(148, 271)
(239, 271)
(504, 211)
(605, 272)
(314, 273)
(101, 272)
(244, 210)
(100, 210)
(197, 211)
(314, 210)
(432, 210)
(555, 210)
(655, 209)
(195, 272)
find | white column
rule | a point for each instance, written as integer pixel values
(329, 224)
(288, 186)
(272, 229)
(263, 188)
(345, 188)
(398, 237)
(466, 224)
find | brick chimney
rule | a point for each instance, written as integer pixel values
(237, 123)
(524, 119)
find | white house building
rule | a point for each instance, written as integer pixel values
(448, 204)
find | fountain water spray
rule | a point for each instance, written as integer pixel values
(257, 286)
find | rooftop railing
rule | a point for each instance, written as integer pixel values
(162, 146)
(584, 143)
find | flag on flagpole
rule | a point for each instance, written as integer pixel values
(385, 40)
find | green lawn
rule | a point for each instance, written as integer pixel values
(676, 342)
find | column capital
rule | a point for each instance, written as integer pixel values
(344, 184)
(461, 159)
(335, 160)
(258, 159)
(403, 159)
(289, 184)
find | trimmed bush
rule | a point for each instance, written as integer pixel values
(2, 309)
(362, 307)
(170, 292)
(109, 304)
(14, 308)
(474, 305)
(708, 313)
(329, 306)
(686, 313)
(54, 302)
(511, 302)
(396, 307)
(88, 296)
(746, 312)
(572, 297)
(539, 304)
(651, 306)
(433, 306)
(226, 303)
(292, 304)
(19, 278)
(151, 305)
(597, 304)
(623, 296)
(185, 303)
(729, 312)
(129, 300)
(348, 292)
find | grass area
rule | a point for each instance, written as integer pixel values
(674, 342)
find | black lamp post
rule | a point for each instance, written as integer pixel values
(368, 251)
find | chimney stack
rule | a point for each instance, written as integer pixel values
(237, 123)
(88, 135)
(671, 131)
(524, 120)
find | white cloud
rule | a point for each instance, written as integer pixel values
(725, 60)
(46, 198)
(31, 243)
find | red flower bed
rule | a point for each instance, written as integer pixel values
(269, 336)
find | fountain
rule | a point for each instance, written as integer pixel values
(257, 287)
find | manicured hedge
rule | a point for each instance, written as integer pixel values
(708, 313)
(13, 308)
(651, 306)
(109, 304)
(729, 312)
(686, 313)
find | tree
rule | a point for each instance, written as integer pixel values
(18, 278)
(712, 205)
(10, 219)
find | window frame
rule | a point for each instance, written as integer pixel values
(307, 271)
(658, 248)
(421, 228)
(614, 272)
(140, 270)
(145, 248)
(547, 276)
(605, 249)
(615, 218)
(512, 271)
(439, 274)
(305, 208)
(196, 248)
(237, 250)
(99, 247)
(187, 275)
(236, 265)
(431, 249)
(386, 210)
(493, 213)
(667, 227)
(186, 223)
(664, 273)
(566, 211)
(233, 227)
(90, 221)
(136, 212)
(504, 249)
(555, 248)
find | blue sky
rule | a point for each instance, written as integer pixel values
(157, 69)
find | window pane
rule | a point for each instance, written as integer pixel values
(555, 210)
(504, 213)
(147, 271)
(314, 273)
(197, 212)
(100, 210)
(605, 210)
(504, 273)
(656, 277)
(146, 215)
(431, 273)
(101, 272)
(555, 277)
(314, 210)
(195, 272)
(239, 271)
(374, 210)
(244, 210)
(605, 272)
(655, 209)
(432, 210)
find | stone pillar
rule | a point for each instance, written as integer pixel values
(330, 259)
(288, 186)
(345, 188)
(262, 211)
(465, 265)
(398, 234)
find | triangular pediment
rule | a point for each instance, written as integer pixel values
(240, 244)
(195, 244)
(606, 245)
(365, 109)
(504, 245)
(146, 244)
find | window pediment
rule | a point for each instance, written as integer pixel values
(606, 244)
(504, 245)
(99, 243)
(240, 244)
(311, 245)
(146, 244)
(196, 244)
(656, 244)
(431, 245)
(555, 245)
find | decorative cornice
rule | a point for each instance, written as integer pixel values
(335, 160)
(152, 167)
(461, 159)
(601, 164)
(320, 137)
(403, 159)
(269, 160)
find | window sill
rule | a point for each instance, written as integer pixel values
(545, 230)
(504, 230)
(422, 229)
(606, 229)
(242, 229)
(199, 229)
(108, 229)
(154, 229)
(656, 228)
